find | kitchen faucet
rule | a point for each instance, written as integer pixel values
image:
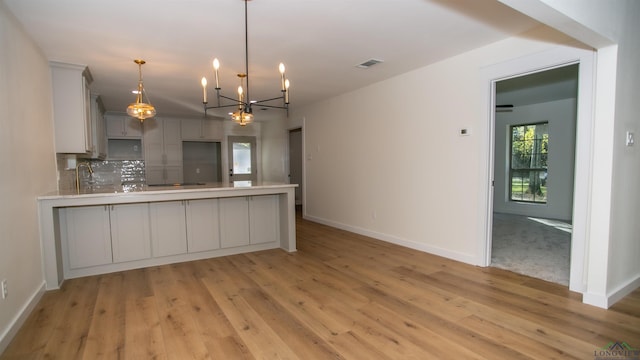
(88, 165)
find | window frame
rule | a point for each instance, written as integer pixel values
(512, 170)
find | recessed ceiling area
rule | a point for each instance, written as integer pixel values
(318, 41)
(549, 85)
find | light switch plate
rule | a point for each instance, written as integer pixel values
(630, 138)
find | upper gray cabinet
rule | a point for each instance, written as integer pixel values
(123, 126)
(72, 108)
(201, 129)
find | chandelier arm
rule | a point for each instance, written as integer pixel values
(232, 99)
(272, 106)
(220, 106)
(265, 100)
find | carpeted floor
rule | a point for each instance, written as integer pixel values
(535, 247)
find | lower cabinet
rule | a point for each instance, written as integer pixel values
(109, 234)
(88, 236)
(234, 222)
(203, 225)
(249, 220)
(99, 235)
(130, 238)
(264, 221)
(168, 228)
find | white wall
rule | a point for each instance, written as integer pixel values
(28, 163)
(561, 116)
(387, 160)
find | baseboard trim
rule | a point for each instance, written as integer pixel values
(20, 318)
(465, 258)
(605, 301)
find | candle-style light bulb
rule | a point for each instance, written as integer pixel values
(240, 91)
(286, 93)
(281, 68)
(204, 90)
(216, 66)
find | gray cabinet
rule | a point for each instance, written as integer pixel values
(203, 225)
(130, 237)
(249, 220)
(162, 151)
(99, 235)
(123, 127)
(201, 129)
(88, 235)
(168, 228)
(234, 222)
(264, 222)
(72, 108)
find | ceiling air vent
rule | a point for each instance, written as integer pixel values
(369, 63)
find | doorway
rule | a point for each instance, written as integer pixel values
(539, 62)
(242, 159)
(295, 162)
(534, 157)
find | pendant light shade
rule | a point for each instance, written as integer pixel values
(139, 109)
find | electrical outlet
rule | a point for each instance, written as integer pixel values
(5, 289)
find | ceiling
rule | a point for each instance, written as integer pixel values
(320, 42)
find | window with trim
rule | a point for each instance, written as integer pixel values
(528, 165)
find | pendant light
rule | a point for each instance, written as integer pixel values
(139, 109)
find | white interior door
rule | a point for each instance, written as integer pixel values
(242, 158)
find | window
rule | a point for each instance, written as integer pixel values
(528, 168)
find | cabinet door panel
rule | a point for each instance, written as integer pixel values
(71, 108)
(153, 142)
(203, 225)
(88, 236)
(234, 222)
(132, 127)
(154, 175)
(130, 232)
(212, 129)
(173, 174)
(172, 143)
(168, 228)
(191, 129)
(264, 219)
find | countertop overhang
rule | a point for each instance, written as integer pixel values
(145, 193)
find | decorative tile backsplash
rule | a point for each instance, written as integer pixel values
(107, 174)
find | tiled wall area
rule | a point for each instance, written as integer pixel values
(107, 174)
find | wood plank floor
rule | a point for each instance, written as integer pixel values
(341, 296)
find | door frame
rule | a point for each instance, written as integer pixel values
(538, 62)
(301, 185)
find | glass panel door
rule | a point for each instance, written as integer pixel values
(242, 159)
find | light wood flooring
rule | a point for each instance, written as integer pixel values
(341, 296)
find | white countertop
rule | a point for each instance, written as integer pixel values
(140, 192)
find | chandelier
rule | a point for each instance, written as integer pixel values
(244, 113)
(139, 109)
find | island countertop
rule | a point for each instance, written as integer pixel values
(53, 204)
(137, 190)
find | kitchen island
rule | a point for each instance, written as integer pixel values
(129, 227)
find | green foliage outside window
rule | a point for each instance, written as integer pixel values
(529, 155)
